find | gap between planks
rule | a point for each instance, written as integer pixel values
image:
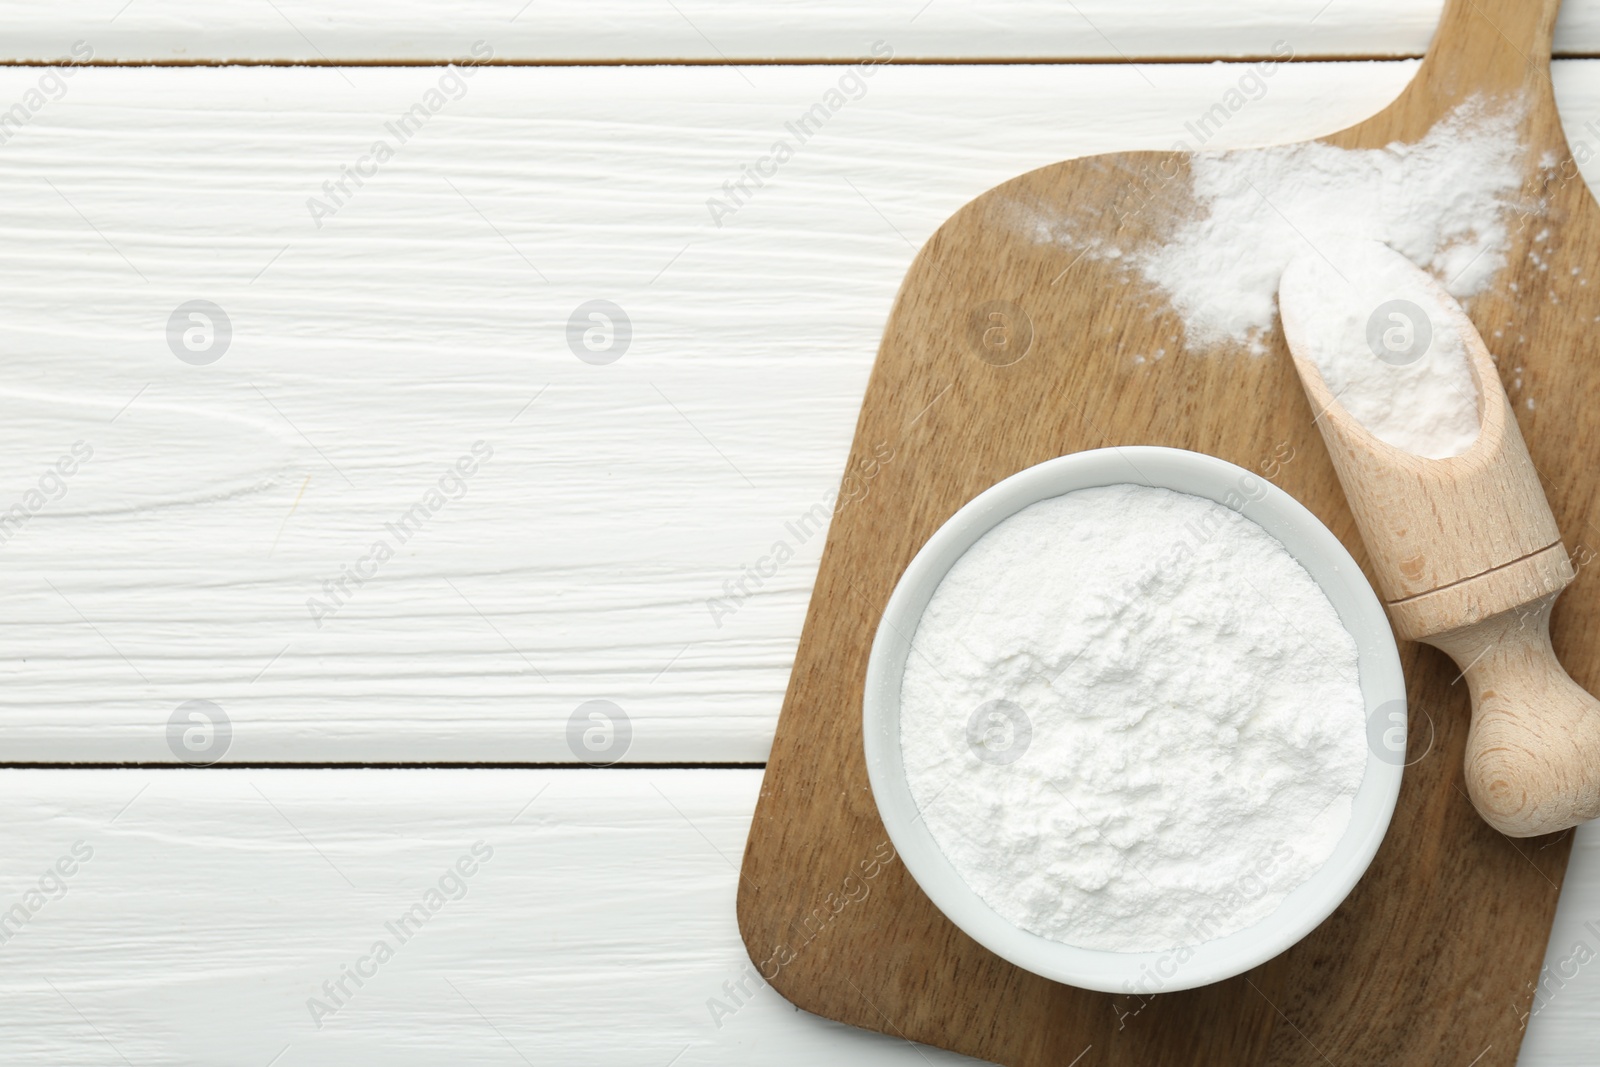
(921, 61)
(935, 61)
(358, 765)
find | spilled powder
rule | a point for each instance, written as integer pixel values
(1388, 343)
(1440, 202)
(1112, 734)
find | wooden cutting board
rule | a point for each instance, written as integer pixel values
(1433, 958)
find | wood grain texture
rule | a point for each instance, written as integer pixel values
(430, 311)
(1451, 913)
(213, 907)
(720, 31)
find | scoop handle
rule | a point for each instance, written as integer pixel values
(1531, 764)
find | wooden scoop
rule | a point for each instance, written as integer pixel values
(1468, 558)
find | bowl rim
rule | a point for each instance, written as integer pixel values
(1381, 680)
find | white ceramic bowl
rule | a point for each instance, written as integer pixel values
(1381, 683)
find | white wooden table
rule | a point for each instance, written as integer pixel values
(217, 536)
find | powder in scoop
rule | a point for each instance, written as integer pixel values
(1131, 720)
(1387, 340)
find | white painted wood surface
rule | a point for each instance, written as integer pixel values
(430, 312)
(215, 905)
(1566, 1004)
(724, 30)
(377, 349)
(600, 930)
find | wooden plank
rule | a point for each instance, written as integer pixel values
(722, 30)
(204, 921)
(1451, 912)
(212, 908)
(430, 311)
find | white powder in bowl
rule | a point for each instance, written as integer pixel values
(1131, 720)
(1388, 343)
